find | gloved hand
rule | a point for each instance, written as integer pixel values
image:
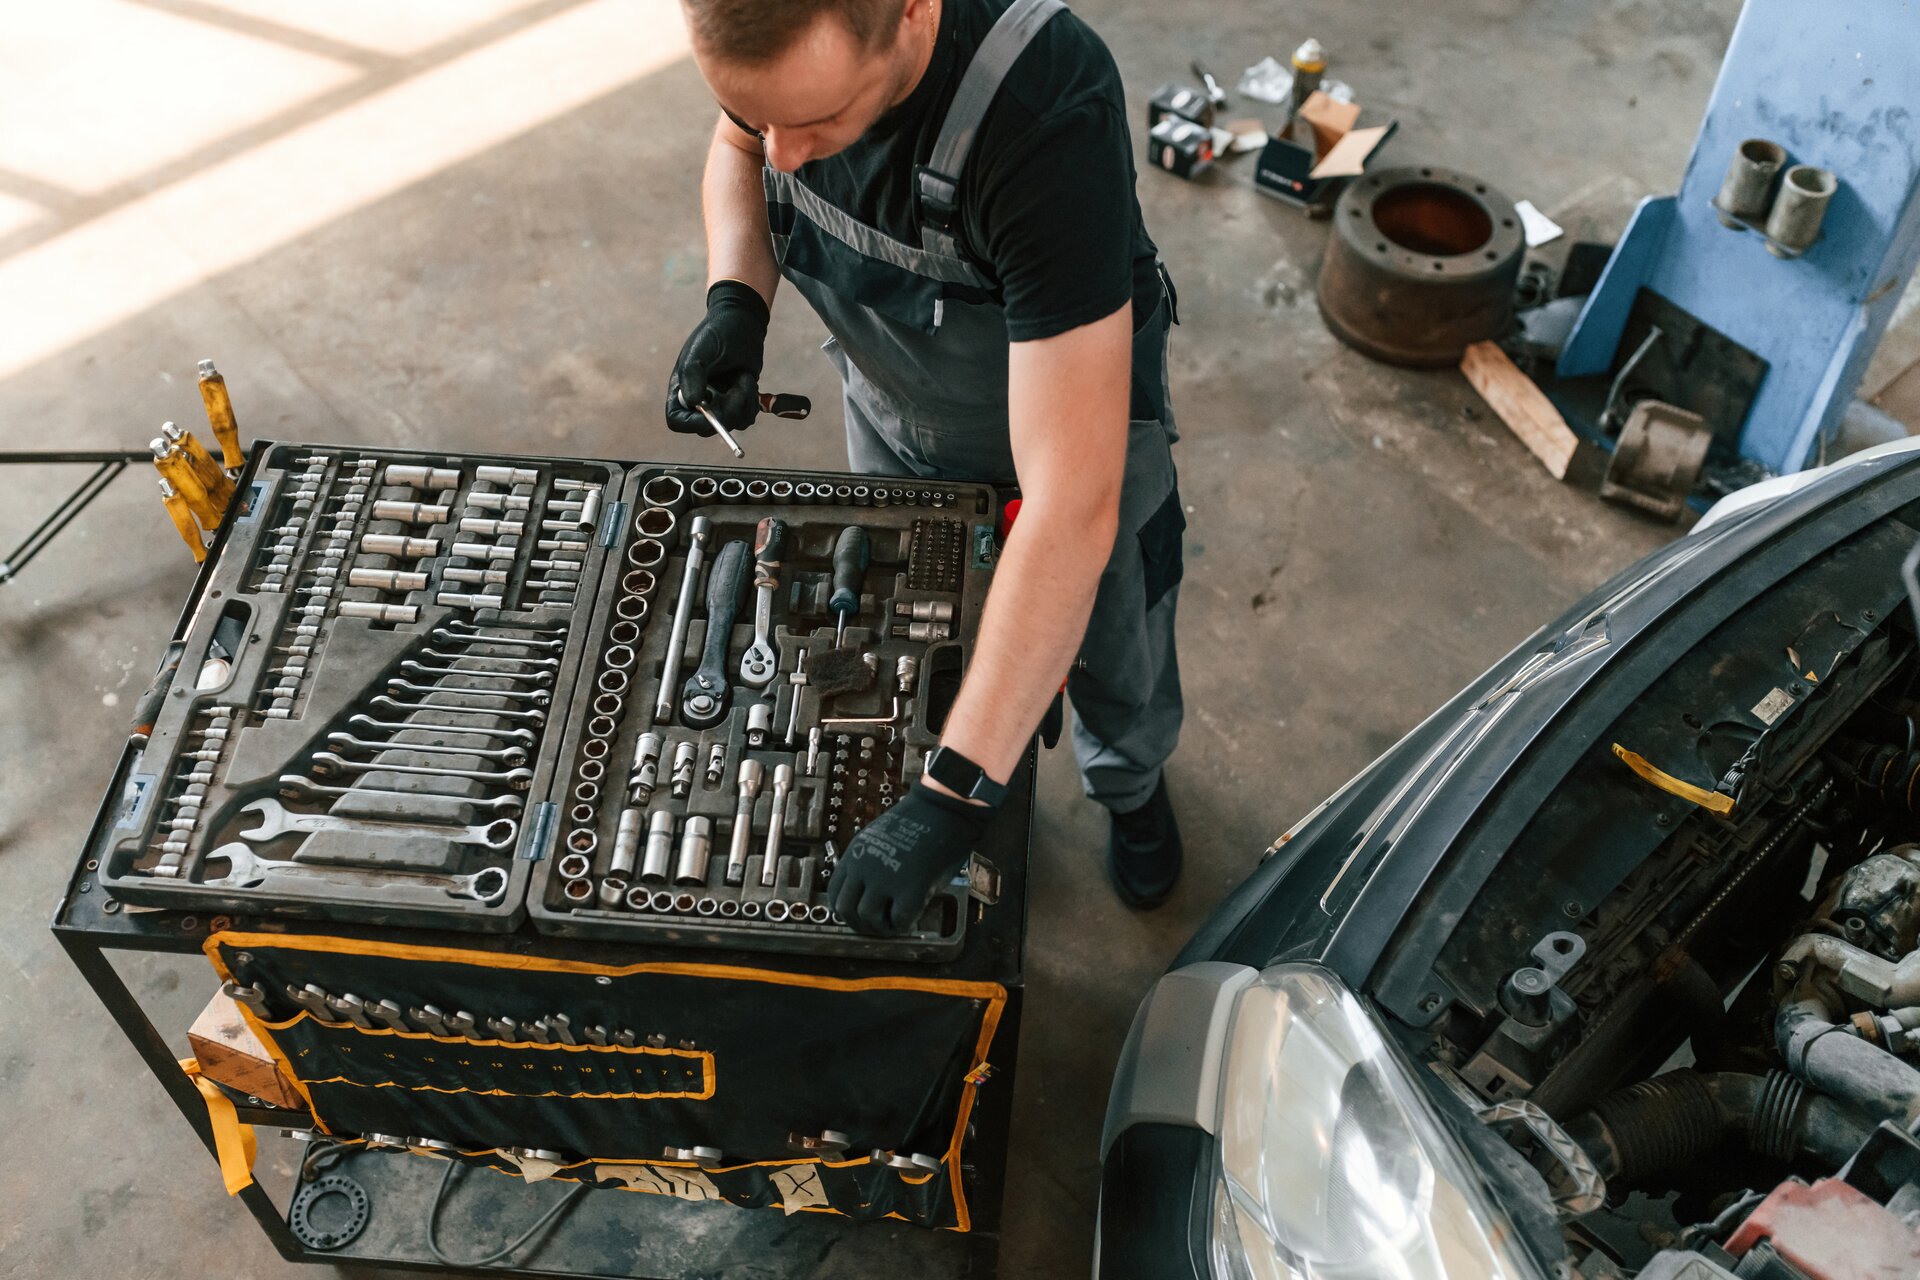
(894, 864)
(720, 362)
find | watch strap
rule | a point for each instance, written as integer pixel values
(963, 777)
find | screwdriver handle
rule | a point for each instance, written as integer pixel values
(852, 552)
(785, 404)
(770, 541)
(213, 391)
(183, 520)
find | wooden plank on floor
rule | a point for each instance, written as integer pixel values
(1522, 406)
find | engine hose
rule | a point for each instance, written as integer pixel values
(1682, 1116)
(1836, 1062)
(1889, 774)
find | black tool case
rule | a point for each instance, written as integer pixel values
(419, 690)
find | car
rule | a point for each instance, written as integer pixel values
(1610, 968)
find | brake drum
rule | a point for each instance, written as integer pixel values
(1421, 263)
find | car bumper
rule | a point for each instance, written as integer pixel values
(1158, 1150)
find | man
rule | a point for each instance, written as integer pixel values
(950, 184)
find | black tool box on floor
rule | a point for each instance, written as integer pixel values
(422, 698)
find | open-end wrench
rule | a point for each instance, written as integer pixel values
(537, 697)
(703, 702)
(251, 996)
(760, 661)
(316, 1003)
(246, 869)
(328, 762)
(389, 1013)
(536, 679)
(365, 722)
(278, 820)
(388, 703)
(294, 786)
(511, 755)
(699, 535)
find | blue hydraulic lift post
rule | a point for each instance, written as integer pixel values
(1838, 86)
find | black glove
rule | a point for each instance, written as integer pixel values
(894, 864)
(720, 363)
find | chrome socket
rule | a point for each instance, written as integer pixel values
(658, 858)
(696, 845)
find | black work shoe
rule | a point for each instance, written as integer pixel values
(1143, 853)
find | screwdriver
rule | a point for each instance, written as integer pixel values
(183, 520)
(213, 390)
(851, 555)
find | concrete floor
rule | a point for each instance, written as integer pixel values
(477, 226)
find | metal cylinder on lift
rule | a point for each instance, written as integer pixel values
(1748, 187)
(1793, 224)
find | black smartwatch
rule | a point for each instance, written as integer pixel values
(963, 777)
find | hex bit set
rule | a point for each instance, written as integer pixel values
(640, 703)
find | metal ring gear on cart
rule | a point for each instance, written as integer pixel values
(300, 1216)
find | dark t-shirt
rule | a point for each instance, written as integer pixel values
(1047, 205)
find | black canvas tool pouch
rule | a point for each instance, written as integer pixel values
(745, 1063)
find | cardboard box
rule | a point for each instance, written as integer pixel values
(230, 1054)
(1319, 149)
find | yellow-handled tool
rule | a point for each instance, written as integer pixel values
(213, 390)
(183, 520)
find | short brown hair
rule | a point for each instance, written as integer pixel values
(761, 30)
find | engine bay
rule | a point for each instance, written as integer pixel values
(1690, 992)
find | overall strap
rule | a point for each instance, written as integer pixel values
(937, 182)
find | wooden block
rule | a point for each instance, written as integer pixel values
(230, 1054)
(1522, 406)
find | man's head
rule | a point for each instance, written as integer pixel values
(810, 76)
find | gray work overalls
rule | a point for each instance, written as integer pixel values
(925, 381)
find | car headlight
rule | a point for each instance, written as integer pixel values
(1333, 1163)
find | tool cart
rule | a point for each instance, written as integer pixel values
(503, 797)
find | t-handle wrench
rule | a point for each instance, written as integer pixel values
(699, 534)
(780, 406)
(703, 702)
(760, 661)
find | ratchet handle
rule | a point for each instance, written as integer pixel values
(707, 686)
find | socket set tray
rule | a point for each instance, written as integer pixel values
(463, 692)
(717, 774)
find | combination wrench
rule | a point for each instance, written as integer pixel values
(459, 632)
(538, 697)
(328, 762)
(245, 869)
(525, 737)
(294, 786)
(538, 679)
(277, 820)
(516, 660)
(388, 703)
(760, 661)
(509, 755)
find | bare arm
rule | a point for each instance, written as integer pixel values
(735, 204)
(1067, 399)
